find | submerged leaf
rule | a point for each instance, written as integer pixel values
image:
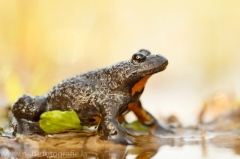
(59, 121)
(137, 126)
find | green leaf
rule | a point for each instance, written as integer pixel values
(59, 121)
(137, 126)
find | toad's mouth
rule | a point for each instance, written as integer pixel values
(155, 67)
(165, 65)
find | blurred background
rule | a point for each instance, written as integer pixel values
(43, 42)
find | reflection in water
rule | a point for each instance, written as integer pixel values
(187, 144)
(194, 151)
(204, 141)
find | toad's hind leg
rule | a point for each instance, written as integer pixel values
(23, 126)
(146, 118)
(26, 114)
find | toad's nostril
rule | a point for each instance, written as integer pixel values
(166, 62)
(163, 59)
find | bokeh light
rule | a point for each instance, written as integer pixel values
(43, 42)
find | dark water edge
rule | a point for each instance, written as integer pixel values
(186, 143)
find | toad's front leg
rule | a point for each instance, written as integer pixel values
(109, 123)
(147, 119)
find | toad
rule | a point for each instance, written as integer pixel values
(103, 95)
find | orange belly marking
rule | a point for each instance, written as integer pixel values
(139, 112)
(139, 85)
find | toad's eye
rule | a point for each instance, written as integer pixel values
(138, 57)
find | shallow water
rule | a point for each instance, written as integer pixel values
(215, 140)
(196, 152)
(208, 145)
(183, 144)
